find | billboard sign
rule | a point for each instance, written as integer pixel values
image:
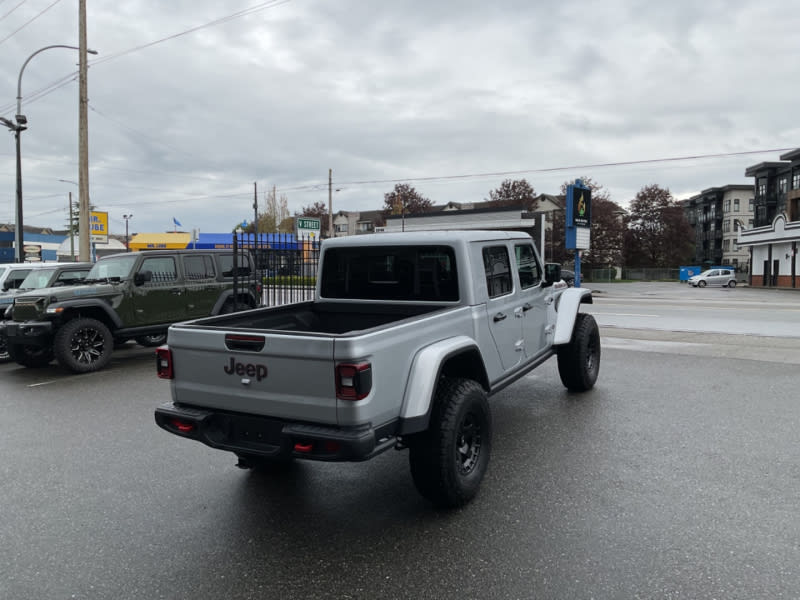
(98, 227)
(582, 207)
(579, 216)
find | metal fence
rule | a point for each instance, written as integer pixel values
(285, 266)
(633, 274)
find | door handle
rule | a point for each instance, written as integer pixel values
(526, 307)
(499, 317)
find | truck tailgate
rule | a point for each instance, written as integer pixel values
(289, 376)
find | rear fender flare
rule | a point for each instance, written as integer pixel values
(426, 369)
(569, 302)
(223, 298)
(227, 295)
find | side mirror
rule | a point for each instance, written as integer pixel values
(142, 277)
(552, 273)
(6, 286)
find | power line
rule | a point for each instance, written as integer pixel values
(64, 80)
(13, 9)
(430, 178)
(220, 21)
(28, 22)
(322, 186)
(433, 178)
(41, 92)
(567, 168)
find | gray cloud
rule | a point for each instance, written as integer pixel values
(390, 91)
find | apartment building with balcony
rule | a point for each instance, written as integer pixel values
(716, 215)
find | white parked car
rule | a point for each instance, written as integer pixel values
(723, 277)
(13, 274)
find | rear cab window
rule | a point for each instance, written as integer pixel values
(405, 273)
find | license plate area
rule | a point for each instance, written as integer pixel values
(246, 432)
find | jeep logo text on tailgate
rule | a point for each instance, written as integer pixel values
(248, 369)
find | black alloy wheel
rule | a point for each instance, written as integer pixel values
(83, 345)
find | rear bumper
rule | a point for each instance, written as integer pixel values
(30, 333)
(268, 437)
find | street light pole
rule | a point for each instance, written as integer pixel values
(17, 128)
(127, 218)
(18, 239)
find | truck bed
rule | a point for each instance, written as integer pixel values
(329, 318)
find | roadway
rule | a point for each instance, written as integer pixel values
(676, 477)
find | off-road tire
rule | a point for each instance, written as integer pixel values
(151, 341)
(5, 356)
(579, 361)
(449, 460)
(33, 357)
(83, 345)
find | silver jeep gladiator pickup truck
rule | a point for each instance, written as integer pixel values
(407, 337)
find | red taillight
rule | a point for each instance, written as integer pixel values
(164, 362)
(304, 448)
(182, 426)
(353, 381)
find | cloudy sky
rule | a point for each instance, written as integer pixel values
(191, 102)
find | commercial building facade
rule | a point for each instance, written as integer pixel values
(775, 235)
(41, 243)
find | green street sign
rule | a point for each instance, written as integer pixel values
(308, 223)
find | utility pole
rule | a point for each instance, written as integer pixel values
(83, 138)
(255, 211)
(403, 209)
(330, 202)
(72, 231)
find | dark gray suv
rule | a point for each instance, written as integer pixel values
(44, 276)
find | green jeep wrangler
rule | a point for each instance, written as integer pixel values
(127, 296)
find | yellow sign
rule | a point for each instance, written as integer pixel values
(98, 227)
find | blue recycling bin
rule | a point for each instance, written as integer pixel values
(687, 272)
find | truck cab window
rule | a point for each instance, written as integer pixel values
(530, 273)
(497, 267)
